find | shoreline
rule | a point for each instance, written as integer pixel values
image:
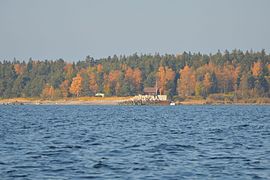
(68, 101)
(109, 101)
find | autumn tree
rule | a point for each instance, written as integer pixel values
(161, 77)
(132, 80)
(69, 70)
(257, 69)
(208, 83)
(76, 85)
(64, 87)
(170, 81)
(236, 77)
(137, 77)
(113, 80)
(187, 82)
(106, 83)
(110, 82)
(48, 92)
(19, 69)
(99, 68)
(127, 75)
(93, 86)
(165, 78)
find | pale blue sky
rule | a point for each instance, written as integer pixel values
(73, 29)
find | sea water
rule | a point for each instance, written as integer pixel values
(134, 142)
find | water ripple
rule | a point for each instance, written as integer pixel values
(114, 142)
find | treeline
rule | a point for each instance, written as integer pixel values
(243, 74)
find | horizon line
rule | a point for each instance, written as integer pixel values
(135, 53)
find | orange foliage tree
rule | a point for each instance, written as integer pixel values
(114, 76)
(164, 76)
(113, 79)
(76, 85)
(137, 76)
(161, 79)
(257, 69)
(134, 76)
(99, 68)
(129, 73)
(110, 82)
(187, 82)
(227, 77)
(19, 69)
(93, 86)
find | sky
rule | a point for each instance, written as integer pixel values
(73, 29)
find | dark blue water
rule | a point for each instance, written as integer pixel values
(114, 142)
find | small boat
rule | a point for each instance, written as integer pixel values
(172, 104)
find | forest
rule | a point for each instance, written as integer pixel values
(241, 74)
